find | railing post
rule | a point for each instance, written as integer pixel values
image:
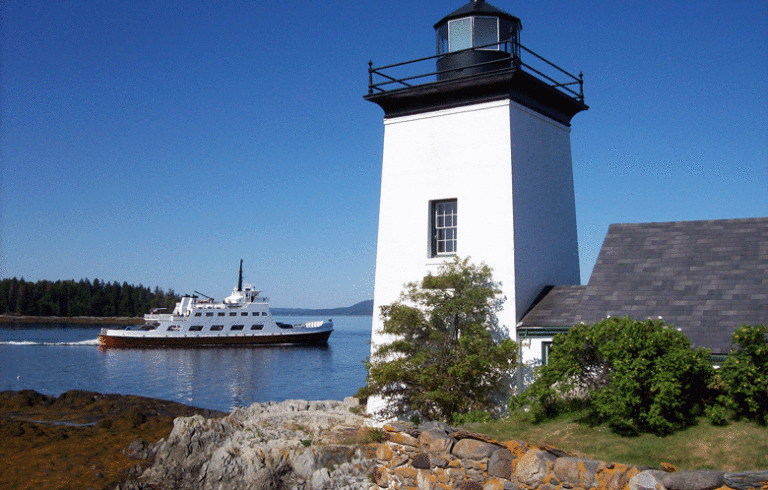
(370, 77)
(581, 86)
(516, 61)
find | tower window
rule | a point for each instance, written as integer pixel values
(444, 224)
(546, 348)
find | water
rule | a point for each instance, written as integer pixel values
(54, 358)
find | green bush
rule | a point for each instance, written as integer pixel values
(473, 417)
(442, 359)
(636, 376)
(717, 414)
(743, 378)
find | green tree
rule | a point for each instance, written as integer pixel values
(637, 376)
(743, 378)
(443, 360)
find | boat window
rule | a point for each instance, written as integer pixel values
(174, 328)
(255, 313)
(245, 313)
(258, 326)
(209, 314)
(198, 314)
(232, 313)
(196, 328)
(237, 327)
(263, 313)
(221, 313)
(284, 325)
(217, 328)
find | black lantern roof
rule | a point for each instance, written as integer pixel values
(478, 7)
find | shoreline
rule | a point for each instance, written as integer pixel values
(90, 320)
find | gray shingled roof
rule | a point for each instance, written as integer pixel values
(704, 277)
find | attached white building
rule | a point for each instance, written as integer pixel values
(477, 162)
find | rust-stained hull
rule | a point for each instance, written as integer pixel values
(287, 338)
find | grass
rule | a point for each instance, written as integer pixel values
(739, 446)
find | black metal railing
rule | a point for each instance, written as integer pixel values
(408, 74)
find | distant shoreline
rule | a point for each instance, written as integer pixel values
(109, 320)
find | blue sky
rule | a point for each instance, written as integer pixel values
(159, 142)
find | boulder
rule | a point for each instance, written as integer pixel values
(532, 467)
(473, 449)
(433, 441)
(501, 464)
(647, 480)
(693, 480)
(577, 472)
(746, 480)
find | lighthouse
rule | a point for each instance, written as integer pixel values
(477, 162)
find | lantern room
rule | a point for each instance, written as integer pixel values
(476, 38)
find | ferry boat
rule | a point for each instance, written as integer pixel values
(242, 318)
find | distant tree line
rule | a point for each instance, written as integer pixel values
(82, 298)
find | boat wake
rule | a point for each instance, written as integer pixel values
(29, 342)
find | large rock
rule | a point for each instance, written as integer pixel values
(693, 480)
(433, 441)
(577, 472)
(272, 445)
(746, 480)
(647, 480)
(532, 467)
(473, 449)
(501, 464)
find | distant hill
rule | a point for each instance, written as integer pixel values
(363, 308)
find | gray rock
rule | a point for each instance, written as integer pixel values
(321, 479)
(693, 480)
(577, 472)
(500, 464)
(262, 446)
(421, 461)
(139, 449)
(436, 442)
(746, 480)
(647, 480)
(473, 449)
(532, 467)
(436, 426)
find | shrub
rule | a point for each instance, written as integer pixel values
(637, 376)
(743, 378)
(473, 417)
(442, 359)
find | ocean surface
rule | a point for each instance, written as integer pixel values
(54, 358)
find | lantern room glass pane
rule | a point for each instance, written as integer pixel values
(460, 34)
(486, 31)
(442, 39)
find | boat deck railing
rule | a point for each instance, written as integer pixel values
(157, 317)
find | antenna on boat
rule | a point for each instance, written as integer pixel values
(240, 278)
(205, 295)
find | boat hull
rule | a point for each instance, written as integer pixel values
(310, 338)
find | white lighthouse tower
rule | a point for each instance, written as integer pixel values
(477, 162)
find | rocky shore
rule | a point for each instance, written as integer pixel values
(300, 445)
(92, 441)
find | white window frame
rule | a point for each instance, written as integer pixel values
(438, 241)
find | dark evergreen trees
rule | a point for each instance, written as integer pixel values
(82, 298)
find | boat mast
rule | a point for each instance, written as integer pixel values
(240, 278)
